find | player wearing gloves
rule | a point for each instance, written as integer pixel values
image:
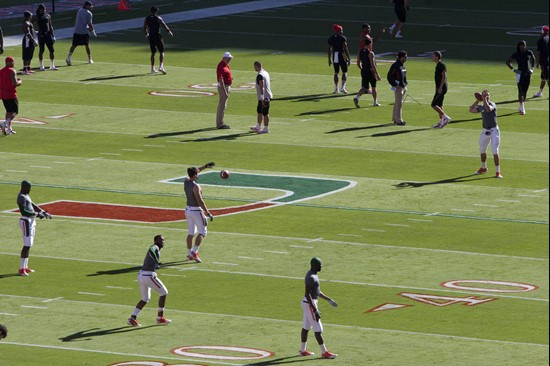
(196, 212)
(83, 26)
(526, 62)
(148, 280)
(312, 315)
(29, 212)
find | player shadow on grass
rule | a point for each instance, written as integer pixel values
(393, 133)
(479, 118)
(233, 136)
(516, 101)
(283, 361)
(86, 335)
(113, 77)
(314, 113)
(311, 97)
(8, 275)
(460, 179)
(136, 269)
(351, 129)
(177, 133)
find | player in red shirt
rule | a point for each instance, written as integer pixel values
(8, 84)
(225, 79)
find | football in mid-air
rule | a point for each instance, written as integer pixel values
(224, 174)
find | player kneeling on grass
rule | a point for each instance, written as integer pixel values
(29, 211)
(148, 280)
(490, 132)
(311, 314)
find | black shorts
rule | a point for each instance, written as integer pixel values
(524, 82)
(262, 108)
(11, 105)
(45, 40)
(367, 80)
(438, 99)
(28, 49)
(81, 39)
(156, 42)
(342, 65)
(545, 72)
(401, 14)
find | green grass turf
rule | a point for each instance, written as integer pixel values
(416, 218)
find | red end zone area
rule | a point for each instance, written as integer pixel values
(107, 211)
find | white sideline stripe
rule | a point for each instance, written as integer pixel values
(275, 252)
(483, 205)
(111, 154)
(513, 201)
(54, 299)
(218, 263)
(33, 307)
(90, 293)
(375, 230)
(154, 145)
(420, 220)
(287, 322)
(9, 314)
(119, 288)
(111, 352)
(350, 235)
(137, 150)
(323, 241)
(16, 171)
(40, 166)
(251, 258)
(401, 225)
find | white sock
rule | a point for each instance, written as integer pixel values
(323, 348)
(497, 168)
(136, 312)
(196, 249)
(22, 263)
(336, 86)
(189, 251)
(398, 33)
(52, 64)
(304, 347)
(375, 101)
(484, 164)
(343, 85)
(41, 64)
(258, 126)
(161, 66)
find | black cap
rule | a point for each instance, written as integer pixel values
(25, 183)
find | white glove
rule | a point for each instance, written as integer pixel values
(333, 303)
(47, 215)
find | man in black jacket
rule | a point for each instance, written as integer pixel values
(397, 77)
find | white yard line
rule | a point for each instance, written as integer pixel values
(54, 299)
(119, 288)
(90, 293)
(224, 264)
(16, 171)
(276, 252)
(484, 205)
(300, 247)
(33, 307)
(420, 220)
(374, 230)
(278, 321)
(9, 314)
(397, 225)
(251, 258)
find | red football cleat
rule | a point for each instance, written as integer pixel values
(195, 257)
(481, 171)
(133, 322)
(28, 270)
(22, 272)
(498, 175)
(330, 355)
(306, 353)
(163, 321)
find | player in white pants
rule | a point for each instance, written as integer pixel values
(490, 132)
(148, 280)
(29, 212)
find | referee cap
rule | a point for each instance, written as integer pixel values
(228, 55)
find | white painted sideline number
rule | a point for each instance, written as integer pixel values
(518, 287)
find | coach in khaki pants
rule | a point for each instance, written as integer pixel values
(225, 79)
(397, 77)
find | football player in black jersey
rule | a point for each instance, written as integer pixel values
(151, 27)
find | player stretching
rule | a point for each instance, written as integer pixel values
(312, 316)
(151, 27)
(490, 132)
(27, 223)
(195, 212)
(148, 280)
(338, 54)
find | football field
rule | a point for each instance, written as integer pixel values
(430, 264)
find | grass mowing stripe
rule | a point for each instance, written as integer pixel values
(294, 322)
(306, 240)
(367, 209)
(294, 278)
